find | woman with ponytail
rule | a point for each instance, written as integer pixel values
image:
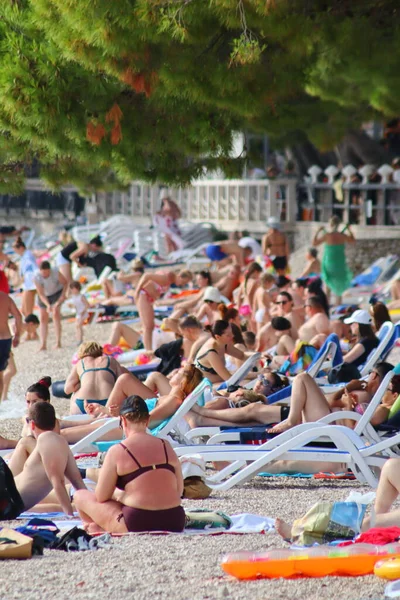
(210, 359)
(38, 392)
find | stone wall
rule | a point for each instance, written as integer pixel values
(372, 243)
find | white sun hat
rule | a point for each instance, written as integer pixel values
(362, 317)
(212, 294)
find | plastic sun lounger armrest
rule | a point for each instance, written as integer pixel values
(110, 424)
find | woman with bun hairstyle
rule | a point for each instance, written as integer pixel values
(230, 314)
(38, 392)
(210, 359)
(92, 379)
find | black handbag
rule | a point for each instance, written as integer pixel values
(343, 373)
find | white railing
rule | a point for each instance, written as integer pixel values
(228, 204)
(364, 196)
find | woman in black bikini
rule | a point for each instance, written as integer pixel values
(127, 495)
(210, 359)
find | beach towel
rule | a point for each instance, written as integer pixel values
(299, 360)
(242, 523)
(379, 536)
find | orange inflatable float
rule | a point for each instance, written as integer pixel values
(320, 561)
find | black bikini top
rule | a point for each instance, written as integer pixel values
(123, 480)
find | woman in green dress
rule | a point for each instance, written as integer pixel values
(334, 271)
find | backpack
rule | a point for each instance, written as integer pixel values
(11, 505)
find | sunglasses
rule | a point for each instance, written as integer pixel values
(282, 302)
(27, 420)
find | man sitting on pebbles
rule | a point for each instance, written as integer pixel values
(42, 478)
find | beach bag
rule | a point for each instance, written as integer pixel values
(326, 522)
(14, 544)
(194, 472)
(203, 518)
(11, 505)
(343, 373)
(194, 488)
(299, 360)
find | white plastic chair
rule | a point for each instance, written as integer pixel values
(242, 371)
(86, 443)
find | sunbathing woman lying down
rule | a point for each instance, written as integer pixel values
(308, 404)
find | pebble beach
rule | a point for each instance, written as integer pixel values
(168, 566)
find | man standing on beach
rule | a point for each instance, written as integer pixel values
(275, 244)
(7, 308)
(45, 469)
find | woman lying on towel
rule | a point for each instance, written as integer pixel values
(127, 495)
(307, 404)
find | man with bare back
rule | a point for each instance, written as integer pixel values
(46, 469)
(7, 308)
(275, 244)
(317, 324)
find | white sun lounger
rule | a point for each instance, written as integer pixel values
(363, 426)
(241, 372)
(292, 445)
(86, 443)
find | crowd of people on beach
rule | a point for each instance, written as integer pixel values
(245, 303)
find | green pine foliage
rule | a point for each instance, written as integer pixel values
(102, 92)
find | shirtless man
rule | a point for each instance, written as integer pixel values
(50, 462)
(221, 251)
(313, 264)
(317, 325)
(275, 244)
(7, 307)
(229, 282)
(283, 307)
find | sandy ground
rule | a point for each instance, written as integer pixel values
(175, 567)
